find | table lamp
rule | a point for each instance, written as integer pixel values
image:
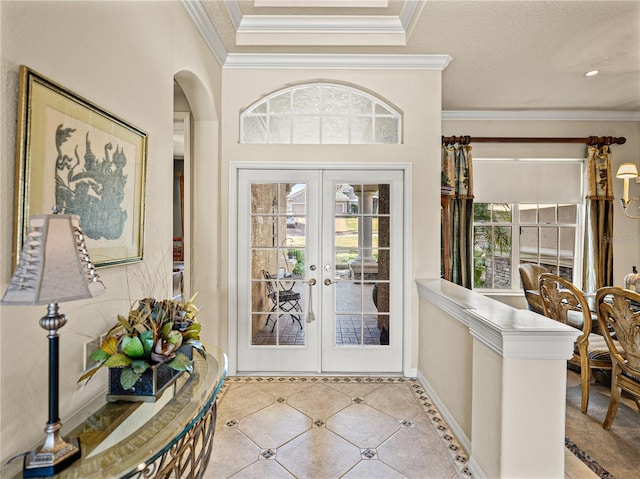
(54, 266)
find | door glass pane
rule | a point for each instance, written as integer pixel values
(348, 296)
(362, 248)
(346, 327)
(368, 300)
(278, 295)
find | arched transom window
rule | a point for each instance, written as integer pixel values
(320, 113)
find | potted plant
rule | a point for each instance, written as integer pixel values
(148, 349)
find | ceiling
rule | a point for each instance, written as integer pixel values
(513, 56)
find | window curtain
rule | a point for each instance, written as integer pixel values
(597, 266)
(457, 172)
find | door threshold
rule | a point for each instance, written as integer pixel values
(293, 374)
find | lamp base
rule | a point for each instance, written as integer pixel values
(47, 462)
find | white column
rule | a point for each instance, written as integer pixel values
(365, 262)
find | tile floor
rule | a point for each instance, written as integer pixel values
(337, 427)
(332, 427)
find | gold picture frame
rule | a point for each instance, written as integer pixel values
(76, 155)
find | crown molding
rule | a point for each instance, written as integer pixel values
(367, 30)
(545, 115)
(320, 24)
(233, 8)
(340, 61)
(322, 3)
(370, 30)
(203, 24)
(410, 12)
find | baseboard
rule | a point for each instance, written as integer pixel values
(411, 373)
(475, 469)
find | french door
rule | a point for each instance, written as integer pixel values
(320, 271)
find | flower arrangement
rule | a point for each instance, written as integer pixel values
(151, 334)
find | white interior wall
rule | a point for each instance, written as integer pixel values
(122, 56)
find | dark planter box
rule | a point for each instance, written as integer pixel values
(151, 384)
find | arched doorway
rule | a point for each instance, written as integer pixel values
(200, 221)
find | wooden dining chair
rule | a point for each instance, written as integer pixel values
(619, 314)
(564, 302)
(529, 274)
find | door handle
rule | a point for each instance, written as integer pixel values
(327, 282)
(312, 282)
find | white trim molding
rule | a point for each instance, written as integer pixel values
(337, 62)
(315, 33)
(321, 3)
(363, 30)
(512, 333)
(465, 442)
(202, 22)
(542, 115)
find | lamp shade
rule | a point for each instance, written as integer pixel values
(627, 170)
(54, 264)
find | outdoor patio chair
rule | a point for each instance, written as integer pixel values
(283, 298)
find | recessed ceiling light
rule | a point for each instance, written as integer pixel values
(592, 73)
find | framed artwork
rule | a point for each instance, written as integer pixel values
(73, 154)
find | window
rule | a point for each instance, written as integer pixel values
(526, 210)
(320, 113)
(505, 235)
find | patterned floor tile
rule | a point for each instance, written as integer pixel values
(263, 470)
(233, 451)
(362, 425)
(274, 425)
(319, 401)
(415, 453)
(242, 400)
(318, 453)
(396, 400)
(373, 469)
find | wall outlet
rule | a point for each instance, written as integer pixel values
(88, 349)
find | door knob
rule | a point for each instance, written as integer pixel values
(312, 282)
(327, 282)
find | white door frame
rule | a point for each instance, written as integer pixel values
(232, 313)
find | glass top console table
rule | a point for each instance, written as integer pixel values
(171, 437)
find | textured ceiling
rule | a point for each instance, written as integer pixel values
(507, 55)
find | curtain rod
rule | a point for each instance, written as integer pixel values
(592, 140)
